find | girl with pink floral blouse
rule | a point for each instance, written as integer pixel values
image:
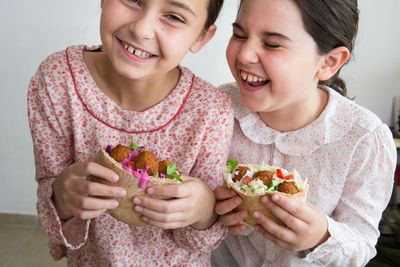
(291, 111)
(132, 86)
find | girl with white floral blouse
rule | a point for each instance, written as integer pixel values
(291, 111)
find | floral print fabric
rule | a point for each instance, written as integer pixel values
(349, 158)
(71, 118)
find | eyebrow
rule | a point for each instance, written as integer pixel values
(266, 34)
(181, 6)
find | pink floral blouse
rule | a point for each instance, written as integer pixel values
(349, 158)
(71, 118)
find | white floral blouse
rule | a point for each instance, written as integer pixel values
(349, 158)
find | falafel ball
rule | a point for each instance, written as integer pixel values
(288, 188)
(120, 152)
(162, 166)
(241, 171)
(144, 159)
(264, 176)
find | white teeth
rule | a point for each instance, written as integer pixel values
(251, 78)
(136, 52)
(139, 53)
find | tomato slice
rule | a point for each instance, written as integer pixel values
(289, 177)
(279, 174)
(246, 180)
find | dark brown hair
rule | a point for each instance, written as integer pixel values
(331, 23)
(214, 7)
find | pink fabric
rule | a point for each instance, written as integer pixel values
(71, 118)
(348, 156)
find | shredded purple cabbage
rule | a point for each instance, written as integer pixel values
(108, 148)
(142, 175)
(126, 166)
(133, 154)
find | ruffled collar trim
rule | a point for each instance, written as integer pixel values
(106, 111)
(327, 128)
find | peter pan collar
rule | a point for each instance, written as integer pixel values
(332, 124)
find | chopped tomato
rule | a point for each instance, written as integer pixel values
(289, 177)
(131, 164)
(279, 174)
(246, 180)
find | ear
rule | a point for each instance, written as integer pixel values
(332, 62)
(203, 39)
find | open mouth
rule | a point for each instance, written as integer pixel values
(253, 80)
(136, 51)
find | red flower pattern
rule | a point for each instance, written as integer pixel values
(70, 118)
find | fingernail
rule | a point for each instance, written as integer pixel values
(115, 178)
(114, 204)
(136, 201)
(238, 201)
(256, 215)
(138, 208)
(150, 191)
(145, 219)
(122, 192)
(275, 197)
(264, 199)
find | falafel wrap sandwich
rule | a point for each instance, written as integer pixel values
(137, 169)
(251, 182)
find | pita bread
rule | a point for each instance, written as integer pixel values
(251, 202)
(125, 211)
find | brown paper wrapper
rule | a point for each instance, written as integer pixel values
(251, 202)
(125, 211)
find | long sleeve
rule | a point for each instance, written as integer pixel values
(53, 152)
(353, 225)
(70, 118)
(208, 166)
(348, 157)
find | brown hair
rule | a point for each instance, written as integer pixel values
(331, 23)
(214, 7)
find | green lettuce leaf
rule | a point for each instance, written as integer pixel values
(232, 164)
(172, 173)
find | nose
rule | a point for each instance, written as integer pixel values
(248, 53)
(143, 27)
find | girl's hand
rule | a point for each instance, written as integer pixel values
(306, 226)
(74, 195)
(192, 203)
(227, 201)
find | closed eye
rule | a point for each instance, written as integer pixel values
(237, 36)
(175, 18)
(272, 45)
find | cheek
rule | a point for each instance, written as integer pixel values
(231, 52)
(108, 23)
(175, 43)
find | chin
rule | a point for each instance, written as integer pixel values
(250, 104)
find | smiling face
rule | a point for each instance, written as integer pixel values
(273, 59)
(149, 38)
